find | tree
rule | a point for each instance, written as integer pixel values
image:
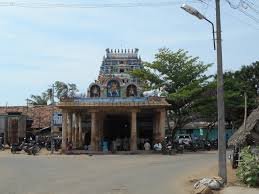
(64, 90)
(236, 85)
(39, 99)
(180, 77)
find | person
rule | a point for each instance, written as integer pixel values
(142, 141)
(147, 146)
(125, 144)
(118, 144)
(158, 146)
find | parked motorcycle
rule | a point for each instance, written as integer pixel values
(190, 146)
(56, 142)
(214, 144)
(179, 147)
(235, 157)
(30, 148)
(203, 144)
(2, 147)
(167, 147)
(1, 144)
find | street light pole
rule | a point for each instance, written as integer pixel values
(197, 14)
(213, 32)
(222, 169)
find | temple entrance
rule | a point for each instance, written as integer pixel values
(117, 131)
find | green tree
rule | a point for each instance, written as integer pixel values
(64, 90)
(180, 77)
(236, 84)
(39, 99)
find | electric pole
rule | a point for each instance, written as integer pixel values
(52, 122)
(245, 111)
(222, 169)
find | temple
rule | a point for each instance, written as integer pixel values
(114, 109)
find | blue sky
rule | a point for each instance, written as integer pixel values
(39, 46)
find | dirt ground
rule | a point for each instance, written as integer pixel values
(210, 172)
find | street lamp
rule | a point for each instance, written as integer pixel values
(197, 14)
(222, 168)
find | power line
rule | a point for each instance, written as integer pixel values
(88, 5)
(252, 7)
(243, 6)
(249, 15)
(233, 16)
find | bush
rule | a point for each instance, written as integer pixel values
(248, 168)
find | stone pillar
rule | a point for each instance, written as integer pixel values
(162, 125)
(76, 130)
(80, 142)
(64, 131)
(156, 126)
(73, 129)
(69, 127)
(133, 138)
(93, 131)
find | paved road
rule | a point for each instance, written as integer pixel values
(102, 174)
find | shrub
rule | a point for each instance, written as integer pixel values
(248, 168)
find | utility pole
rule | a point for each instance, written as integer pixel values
(52, 122)
(222, 169)
(245, 114)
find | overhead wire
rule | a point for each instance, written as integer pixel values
(90, 5)
(243, 6)
(235, 17)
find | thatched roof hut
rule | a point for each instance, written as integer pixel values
(245, 135)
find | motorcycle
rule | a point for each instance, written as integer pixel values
(190, 146)
(30, 148)
(214, 144)
(179, 147)
(56, 144)
(167, 148)
(1, 144)
(235, 157)
(2, 147)
(204, 145)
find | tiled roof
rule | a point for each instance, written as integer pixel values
(41, 115)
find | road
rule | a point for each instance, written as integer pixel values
(100, 174)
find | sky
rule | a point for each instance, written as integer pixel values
(41, 45)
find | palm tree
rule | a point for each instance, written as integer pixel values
(39, 99)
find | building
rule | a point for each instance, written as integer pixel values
(30, 119)
(204, 130)
(12, 127)
(114, 108)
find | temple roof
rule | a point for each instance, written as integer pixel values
(148, 102)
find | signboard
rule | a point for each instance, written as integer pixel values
(201, 132)
(57, 119)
